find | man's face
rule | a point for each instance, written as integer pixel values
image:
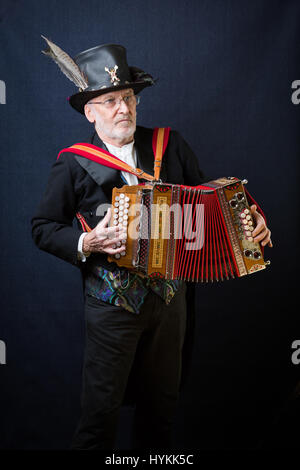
(115, 120)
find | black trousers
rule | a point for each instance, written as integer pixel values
(115, 339)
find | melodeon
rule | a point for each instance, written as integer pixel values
(193, 233)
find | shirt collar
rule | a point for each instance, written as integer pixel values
(124, 150)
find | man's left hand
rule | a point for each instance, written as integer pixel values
(261, 233)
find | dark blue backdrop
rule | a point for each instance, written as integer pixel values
(225, 70)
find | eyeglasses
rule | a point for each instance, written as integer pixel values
(111, 103)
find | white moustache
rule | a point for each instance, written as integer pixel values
(124, 119)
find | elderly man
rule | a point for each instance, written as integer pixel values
(132, 323)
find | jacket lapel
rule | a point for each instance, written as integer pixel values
(102, 175)
(144, 155)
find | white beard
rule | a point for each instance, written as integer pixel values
(118, 130)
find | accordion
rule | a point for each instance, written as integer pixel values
(192, 233)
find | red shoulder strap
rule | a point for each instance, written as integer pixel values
(101, 156)
(159, 144)
(92, 152)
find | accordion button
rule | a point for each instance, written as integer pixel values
(127, 199)
(116, 204)
(123, 253)
(243, 215)
(125, 223)
(251, 228)
(248, 234)
(126, 205)
(121, 213)
(117, 255)
(250, 222)
(256, 254)
(125, 217)
(250, 239)
(248, 217)
(116, 222)
(120, 219)
(116, 216)
(246, 211)
(248, 253)
(116, 211)
(122, 196)
(117, 198)
(245, 221)
(125, 211)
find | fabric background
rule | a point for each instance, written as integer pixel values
(225, 71)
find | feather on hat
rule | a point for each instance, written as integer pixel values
(98, 70)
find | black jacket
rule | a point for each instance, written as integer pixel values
(77, 184)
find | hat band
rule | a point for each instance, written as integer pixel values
(102, 87)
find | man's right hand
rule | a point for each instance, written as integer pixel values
(105, 239)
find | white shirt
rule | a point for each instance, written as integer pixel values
(127, 154)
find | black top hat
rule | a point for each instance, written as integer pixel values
(98, 70)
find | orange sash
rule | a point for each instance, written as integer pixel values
(103, 157)
(92, 152)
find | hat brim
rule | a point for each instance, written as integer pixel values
(79, 100)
